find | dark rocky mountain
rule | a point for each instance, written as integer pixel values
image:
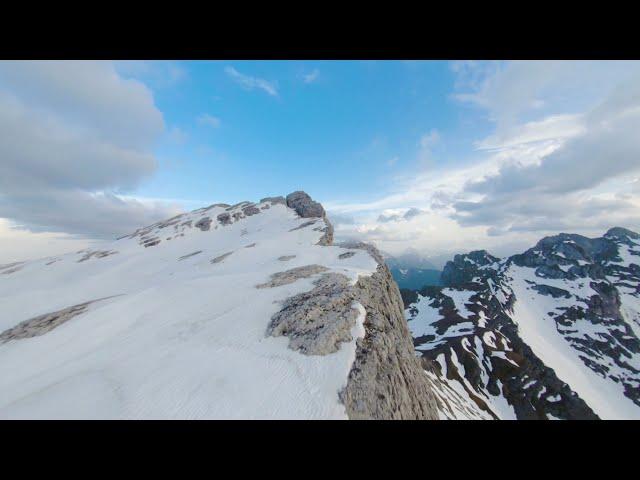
(552, 333)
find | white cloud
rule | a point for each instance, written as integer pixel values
(159, 74)
(426, 143)
(17, 244)
(252, 82)
(72, 136)
(311, 77)
(209, 120)
(547, 167)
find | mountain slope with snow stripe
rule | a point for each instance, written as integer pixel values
(550, 333)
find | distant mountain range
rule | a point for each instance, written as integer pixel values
(552, 333)
(411, 270)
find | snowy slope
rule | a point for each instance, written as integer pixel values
(168, 322)
(550, 333)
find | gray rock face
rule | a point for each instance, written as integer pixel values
(190, 255)
(203, 224)
(303, 225)
(220, 258)
(386, 380)
(342, 256)
(250, 210)
(224, 218)
(304, 206)
(238, 205)
(373, 251)
(149, 242)
(464, 268)
(274, 200)
(290, 276)
(327, 238)
(44, 323)
(96, 254)
(286, 258)
(318, 321)
(621, 234)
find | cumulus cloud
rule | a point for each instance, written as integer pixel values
(251, 83)
(608, 148)
(73, 135)
(413, 212)
(564, 156)
(388, 218)
(391, 216)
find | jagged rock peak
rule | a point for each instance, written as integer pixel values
(304, 205)
(481, 257)
(620, 232)
(464, 267)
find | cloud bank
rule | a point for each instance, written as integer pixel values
(564, 155)
(73, 136)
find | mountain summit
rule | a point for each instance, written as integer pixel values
(229, 311)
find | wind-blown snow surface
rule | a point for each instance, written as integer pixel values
(181, 329)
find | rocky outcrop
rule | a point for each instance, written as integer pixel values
(220, 258)
(203, 224)
(319, 320)
(224, 218)
(304, 206)
(386, 380)
(42, 324)
(289, 276)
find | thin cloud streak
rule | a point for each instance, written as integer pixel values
(251, 83)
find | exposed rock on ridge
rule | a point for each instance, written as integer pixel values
(386, 380)
(304, 206)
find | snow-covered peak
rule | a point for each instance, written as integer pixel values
(228, 311)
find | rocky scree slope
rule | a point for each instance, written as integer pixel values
(229, 311)
(552, 333)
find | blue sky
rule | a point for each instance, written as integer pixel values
(339, 134)
(433, 156)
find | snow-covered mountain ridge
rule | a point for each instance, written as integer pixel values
(243, 311)
(553, 332)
